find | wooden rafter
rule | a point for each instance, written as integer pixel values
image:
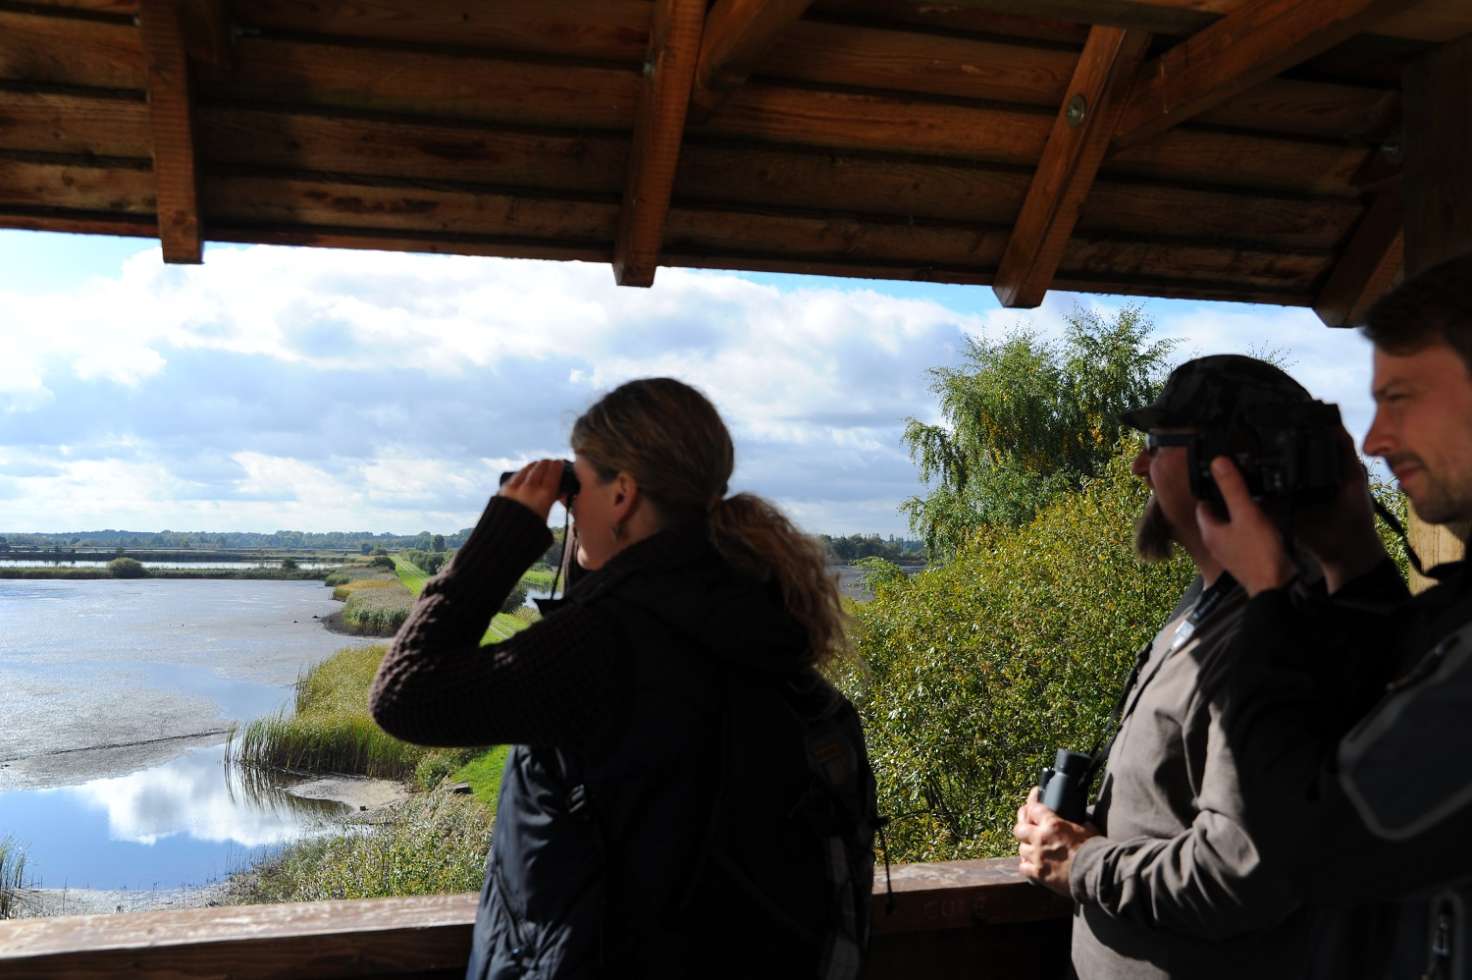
(737, 34)
(659, 129)
(1370, 264)
(1070, 161)
(171, 123)
(1257, 42)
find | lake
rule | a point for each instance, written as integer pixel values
(115, 696)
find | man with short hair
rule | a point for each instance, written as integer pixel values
(1380, 836)
(1168, 878)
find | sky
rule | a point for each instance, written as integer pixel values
(313, 389)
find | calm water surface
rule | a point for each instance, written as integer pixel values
(115, 696)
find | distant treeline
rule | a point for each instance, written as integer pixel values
(850, 549)
(360, 541)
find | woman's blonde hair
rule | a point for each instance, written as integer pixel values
(671, 440)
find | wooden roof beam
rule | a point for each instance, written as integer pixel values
(738, 34)
(1101, 82)
(1258, 41)
(659, 129)
(1370, 265)
(170, 112)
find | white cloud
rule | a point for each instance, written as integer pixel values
(318, 389)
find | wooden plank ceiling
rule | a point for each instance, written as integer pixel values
(1214, 149)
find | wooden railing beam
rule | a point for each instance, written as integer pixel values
(659, 130)
(1255, 43)
(983, 910)
(1070, 162)
(171, 123)
(738, 33)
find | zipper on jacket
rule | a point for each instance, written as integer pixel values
(1440, 953)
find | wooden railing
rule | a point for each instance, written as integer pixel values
(962, 918)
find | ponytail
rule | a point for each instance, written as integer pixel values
(672, 440)
(758, 539)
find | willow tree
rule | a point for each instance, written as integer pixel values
(1025, 420)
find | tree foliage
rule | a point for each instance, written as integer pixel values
(976, 671)
(1025, 420)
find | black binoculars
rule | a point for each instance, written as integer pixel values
(568, 488)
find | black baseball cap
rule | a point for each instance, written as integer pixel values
(1212, 389)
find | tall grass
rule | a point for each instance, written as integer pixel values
(437, 844)
(330, 729)
(12, 876)
(377, 611)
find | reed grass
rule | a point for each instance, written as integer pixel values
(436, 844)
(352, 573)
(12, 876)
(330, 729)
(379, 580)
(377, 611)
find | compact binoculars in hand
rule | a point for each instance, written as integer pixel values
(567, 488)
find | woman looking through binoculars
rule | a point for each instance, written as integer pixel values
(618, 699)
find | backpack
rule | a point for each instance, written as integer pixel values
(789, 850)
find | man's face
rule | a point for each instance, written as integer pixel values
(1172, 509)
(1423, 429)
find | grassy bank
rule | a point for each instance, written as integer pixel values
(436, 844)
(329, 730)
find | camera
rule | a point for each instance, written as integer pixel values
(568, 488)
(1284, 452)
(1064, 786)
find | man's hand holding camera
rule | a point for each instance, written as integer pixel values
(1340, 533)
(1047, 844)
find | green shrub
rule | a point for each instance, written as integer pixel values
(382, 561)
(977, 670)
(437, 764)
(516, 600)
(126, 568)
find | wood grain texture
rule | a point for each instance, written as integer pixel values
(848, 120)
(597, 30)
(1371, 263)
(1253, 44)
(272, 201)
(1438, 156)
(285, 140)
(659, 129)
(69, 186)
(1070, 162)
(66, 51)
(171, 124)
(52, 122)
(737, 36)
(432, 85)
(1432, 21)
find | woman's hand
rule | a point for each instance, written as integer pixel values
(536, 486)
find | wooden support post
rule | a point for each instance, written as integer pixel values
(1252, 44)
(659, 129)
(170, 119)
(1437, 95)
(737, 34)
(1370, 265)
(1069, 164)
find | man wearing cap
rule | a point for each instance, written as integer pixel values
(1167, 879)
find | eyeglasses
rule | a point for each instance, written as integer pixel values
(1154, 440)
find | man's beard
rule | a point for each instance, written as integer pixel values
(1153, 537)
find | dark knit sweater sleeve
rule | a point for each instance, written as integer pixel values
(550, 684)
